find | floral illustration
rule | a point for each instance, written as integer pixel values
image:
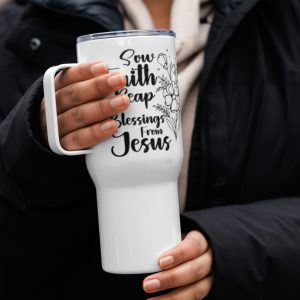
(169, 88)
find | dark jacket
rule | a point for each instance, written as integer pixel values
(244, 173)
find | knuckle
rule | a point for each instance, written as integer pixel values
(198, 292)
(95, 133)
(61, 123)
(73, 94)
(196, 244)
(105, 108)
(180, 252)
(172, 279)
(59, 101)
(102, 110)
(77, 115)
(98, 82)
(76, 139)
(81, 70)
(195, 270)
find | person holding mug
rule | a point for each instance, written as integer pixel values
(238, 186)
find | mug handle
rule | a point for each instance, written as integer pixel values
(51, 112)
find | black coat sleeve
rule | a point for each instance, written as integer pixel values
(30, 173)
(47, 205)
(256, 248)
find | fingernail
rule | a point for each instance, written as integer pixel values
(119, 101)
(116, 80)
(99, 68)
(166, 261)
(151, 285)
(108, 126)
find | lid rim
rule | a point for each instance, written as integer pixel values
(125, 33)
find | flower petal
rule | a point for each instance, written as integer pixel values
(168, 100)
(174, 106)
(162, 60)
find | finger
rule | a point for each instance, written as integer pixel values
(43, 121)
(193, 245)
(184, 274)
(89, 136)
(195, 291)
(91, 113)
(89, 90)
(80, 72)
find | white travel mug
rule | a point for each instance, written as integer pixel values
(135, 172)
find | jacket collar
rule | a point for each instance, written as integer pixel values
(225, 7)
(104, 12)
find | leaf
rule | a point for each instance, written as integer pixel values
(162, 109)
(171, 125)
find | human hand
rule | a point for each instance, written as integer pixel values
(186, 270)
(83, 106)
